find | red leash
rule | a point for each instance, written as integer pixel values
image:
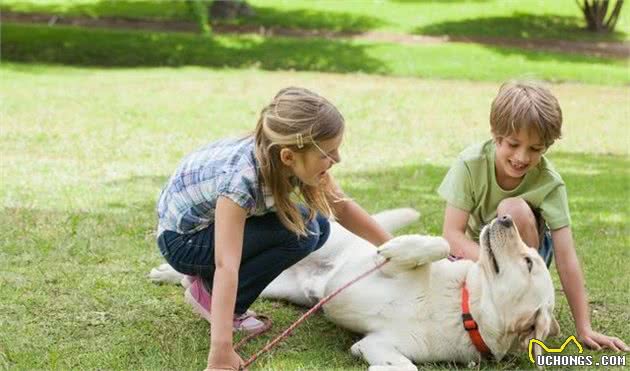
(325, 300)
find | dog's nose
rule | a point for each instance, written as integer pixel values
(506, 221)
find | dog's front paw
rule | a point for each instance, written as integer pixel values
(401, 250)
(412, 250)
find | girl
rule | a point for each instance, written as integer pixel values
(229, 216)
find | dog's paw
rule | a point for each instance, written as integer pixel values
(165, 273)
(186, 281)
(401, 250)
(412, 250)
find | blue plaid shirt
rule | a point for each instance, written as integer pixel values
(224, 168)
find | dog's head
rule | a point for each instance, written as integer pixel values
(518, 283)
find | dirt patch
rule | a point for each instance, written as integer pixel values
(620, 50)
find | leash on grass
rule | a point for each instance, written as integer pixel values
(267, 325)
(288, 331)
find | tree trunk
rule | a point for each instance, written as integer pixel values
(230, 9)
(595, 13)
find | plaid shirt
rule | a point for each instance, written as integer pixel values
(224, 168)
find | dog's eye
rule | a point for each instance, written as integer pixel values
(529, 262)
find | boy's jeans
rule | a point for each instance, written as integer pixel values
(268, 249)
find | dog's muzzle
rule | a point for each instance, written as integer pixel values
(506, 221)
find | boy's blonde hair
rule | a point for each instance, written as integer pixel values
(297, 119)
(526, 105)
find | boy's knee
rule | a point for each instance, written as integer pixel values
(523, 217)
(518, 209)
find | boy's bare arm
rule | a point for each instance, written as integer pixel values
(454, 228)
(573, 284)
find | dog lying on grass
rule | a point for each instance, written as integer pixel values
(411, 309)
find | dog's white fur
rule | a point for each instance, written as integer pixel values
(410, 310)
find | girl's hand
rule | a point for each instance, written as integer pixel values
(224, 358)
(595, 340)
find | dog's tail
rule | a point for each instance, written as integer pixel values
(392, 220)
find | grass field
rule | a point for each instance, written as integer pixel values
(114, 48)
(86, 150)
(523, 19)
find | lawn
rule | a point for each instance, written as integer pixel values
(116, 48)
(523, 19)
(86, 150)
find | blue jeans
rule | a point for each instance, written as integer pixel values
(546, 247)
(545, 243)
(268, 249)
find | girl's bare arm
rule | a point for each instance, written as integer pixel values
(229, 229)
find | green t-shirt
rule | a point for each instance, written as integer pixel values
(471, 185)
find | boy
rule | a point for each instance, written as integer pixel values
(510, 175)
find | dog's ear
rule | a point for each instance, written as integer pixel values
(537, 325)
(525, 328)
(555, 327)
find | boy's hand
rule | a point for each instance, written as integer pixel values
(595, 340)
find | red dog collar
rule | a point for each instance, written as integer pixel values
(472, 328)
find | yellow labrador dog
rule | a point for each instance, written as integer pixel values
(421, 307)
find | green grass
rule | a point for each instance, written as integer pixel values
(526, 19)
(85, 151)
(109, 48)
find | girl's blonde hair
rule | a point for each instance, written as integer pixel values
(297, 119)
(526, 105)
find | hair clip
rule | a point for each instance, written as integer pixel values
(300, 140)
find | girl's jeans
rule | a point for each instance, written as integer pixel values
(268, 249)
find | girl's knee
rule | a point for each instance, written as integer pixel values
(324, 230)
(319, 230)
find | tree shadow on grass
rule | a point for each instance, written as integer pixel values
(179, 11)
(105, 48)
(406, 186)
(597, 186)
(412, 186)
(598, 189)
(535, 37)
(519, 26)
(310, 20)
(100, 9)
